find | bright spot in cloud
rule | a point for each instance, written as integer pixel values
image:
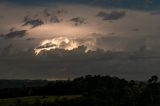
(59, 42)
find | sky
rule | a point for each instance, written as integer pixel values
(60, 39)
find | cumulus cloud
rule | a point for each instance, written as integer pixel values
(114, 15)
(78, 20)
(66, 44)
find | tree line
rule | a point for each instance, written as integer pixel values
(95, 90)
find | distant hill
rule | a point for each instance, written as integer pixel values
(21, 83)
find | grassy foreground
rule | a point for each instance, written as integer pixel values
(33, 99)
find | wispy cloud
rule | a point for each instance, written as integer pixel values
(32, 22)
(78, 20)
(15, 34)
(114, 15)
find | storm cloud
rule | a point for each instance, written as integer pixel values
(61, 64)
(115, 37)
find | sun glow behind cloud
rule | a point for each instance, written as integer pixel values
(65, 43)
(111, 35)
(59, 42)
(61, 29)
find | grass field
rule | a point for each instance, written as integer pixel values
(33, 99)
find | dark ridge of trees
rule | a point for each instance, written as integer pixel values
(95, 90)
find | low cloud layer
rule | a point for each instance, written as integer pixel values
(62, 64)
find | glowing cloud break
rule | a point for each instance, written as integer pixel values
(55, 43)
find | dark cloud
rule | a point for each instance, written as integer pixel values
(53, 15)
(61, 11)
(32, 22)
(29, 39)
(114, 15)
(46, 46)
(60, 52)
(14, 34)
(46, 12)
(12, 29)
(78, 20)
(50, 12)
(12, 50)
(60, 63)
(45, 16)
(55, 19)
(127, 4)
